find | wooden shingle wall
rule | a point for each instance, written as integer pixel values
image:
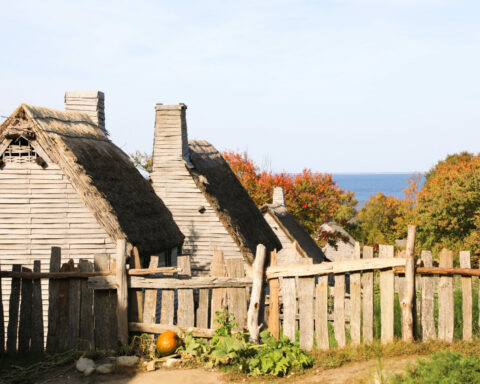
(173, 183)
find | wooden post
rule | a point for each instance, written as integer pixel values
(135, 305)
(122, 292)
(387, 295)
(257, 276)
(64, 336)
(408, 298)
(25, 325)
(55, 261)
(186, 309)
(167, 312)
(219, 295)
(289, 295)
(339, 309)
(367, 285)
(274, 311)
(86, 331)
(202, 309)
(445, 299)
(467, 297)
(428, 296)
(321, 313)
(237, 299)
(355, 301)
(150, 307)
(14, 302)
(306, 290)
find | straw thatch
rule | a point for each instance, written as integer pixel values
(230, 200)
(294, 231)
(121, 200)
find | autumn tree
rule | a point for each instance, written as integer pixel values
(142, 160)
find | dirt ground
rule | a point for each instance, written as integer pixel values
(350, 373)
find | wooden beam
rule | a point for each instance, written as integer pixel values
(122, 292)
(257, 274)
(440, 271)
(409, 287)
(333, 267)
(274, 311)
(160, 328)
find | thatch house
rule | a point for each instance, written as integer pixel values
(207, 201)
(345, 243)
(297, 245)
(64, 183)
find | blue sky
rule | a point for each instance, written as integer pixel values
(335, 86)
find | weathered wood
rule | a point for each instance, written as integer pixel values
(150, 302)
(54, 275)
(36, 344)
(440, 271)
(86, 331)
(336, 267)
(160, 328)
(203, 308)
(339, 309)
(55, 261)
(168, 300)
(306, 288)
(355, 301)
(101, 301)
(321, 312)
(135, 298)
(63, 307)
(257, 277)
(387, 295)
(273, 306)
(2, 319)
(25, 325)
(408, 298)
(289, 296)
(13, 306)
(185, 311)
(467, 301)
(237, 299)
(219, 295)
(445, 299)
(74, 311)
(428, 298)
(367, 304)
(152, 271)
(122, 292)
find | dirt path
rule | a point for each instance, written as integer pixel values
(350, 373)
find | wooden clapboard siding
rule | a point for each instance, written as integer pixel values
(174, 185)
(39, 208)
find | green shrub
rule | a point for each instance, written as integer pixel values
(445, 367)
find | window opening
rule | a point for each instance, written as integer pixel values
(19, 151)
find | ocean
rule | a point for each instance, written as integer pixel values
(369, 184)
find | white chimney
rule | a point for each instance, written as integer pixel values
(90, 102)
(278, 196)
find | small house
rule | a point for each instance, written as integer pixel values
(206, 199)
(64, 183)
(345, 243)
(298, 247)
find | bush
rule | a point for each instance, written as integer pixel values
(445, 367)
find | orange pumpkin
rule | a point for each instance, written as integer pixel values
(167, 343)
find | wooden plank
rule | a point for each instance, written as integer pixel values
(135, 305)
(428, 298)
(274, 307)
(64, 338)
(55, 260)
(168, 298)
(202, 309)
(13, 306)
(237, 299)
(150, 303)
(321, 312)
(387, 295)
(86, 331)
(219, 295)
(101, 306)
(122, 292)
(339, 309)
(185, 310)
(2, 319)
(336, 267)
(355, 301)
(408, 297)
(256, 294)
(25, 325)
(306, 288)
(160, 328)
(367, 304)
(445, 299)
(467, 301)
(289, 295)
(37, 312)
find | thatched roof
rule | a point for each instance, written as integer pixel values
(294, 230)
(103, 175)
(230, 200)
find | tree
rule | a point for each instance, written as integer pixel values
(142, 160)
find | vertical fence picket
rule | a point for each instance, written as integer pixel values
(13, 306)
(219, 295)
(55, 261)
(185, 312)
(135, 298)
(237, 300)
(367, 304)
(428, 298)
(168, 299)
(445, 299)
(387, 295)
(37, 312)
(86, 331)
(74, 311)
(339, 309)
(274, 304)
(355, 301)
(202, 309)
(25, 324)
(321, 312)
(150, 303)
(466, 296)
(64, 336)
(101, 306)
(306, 288)
(289, 295)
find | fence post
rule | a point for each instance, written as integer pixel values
(219, 295)
(355, 301)
(367, 304)
(466, 296)
(445, 299)
(409, 286)
(257, 277)
(122, 292)
(428, 298)
(273, 313)
(387, 294)
(55, 261)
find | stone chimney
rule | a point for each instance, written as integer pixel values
(170, 145)
(278, 196)
(90, 102)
